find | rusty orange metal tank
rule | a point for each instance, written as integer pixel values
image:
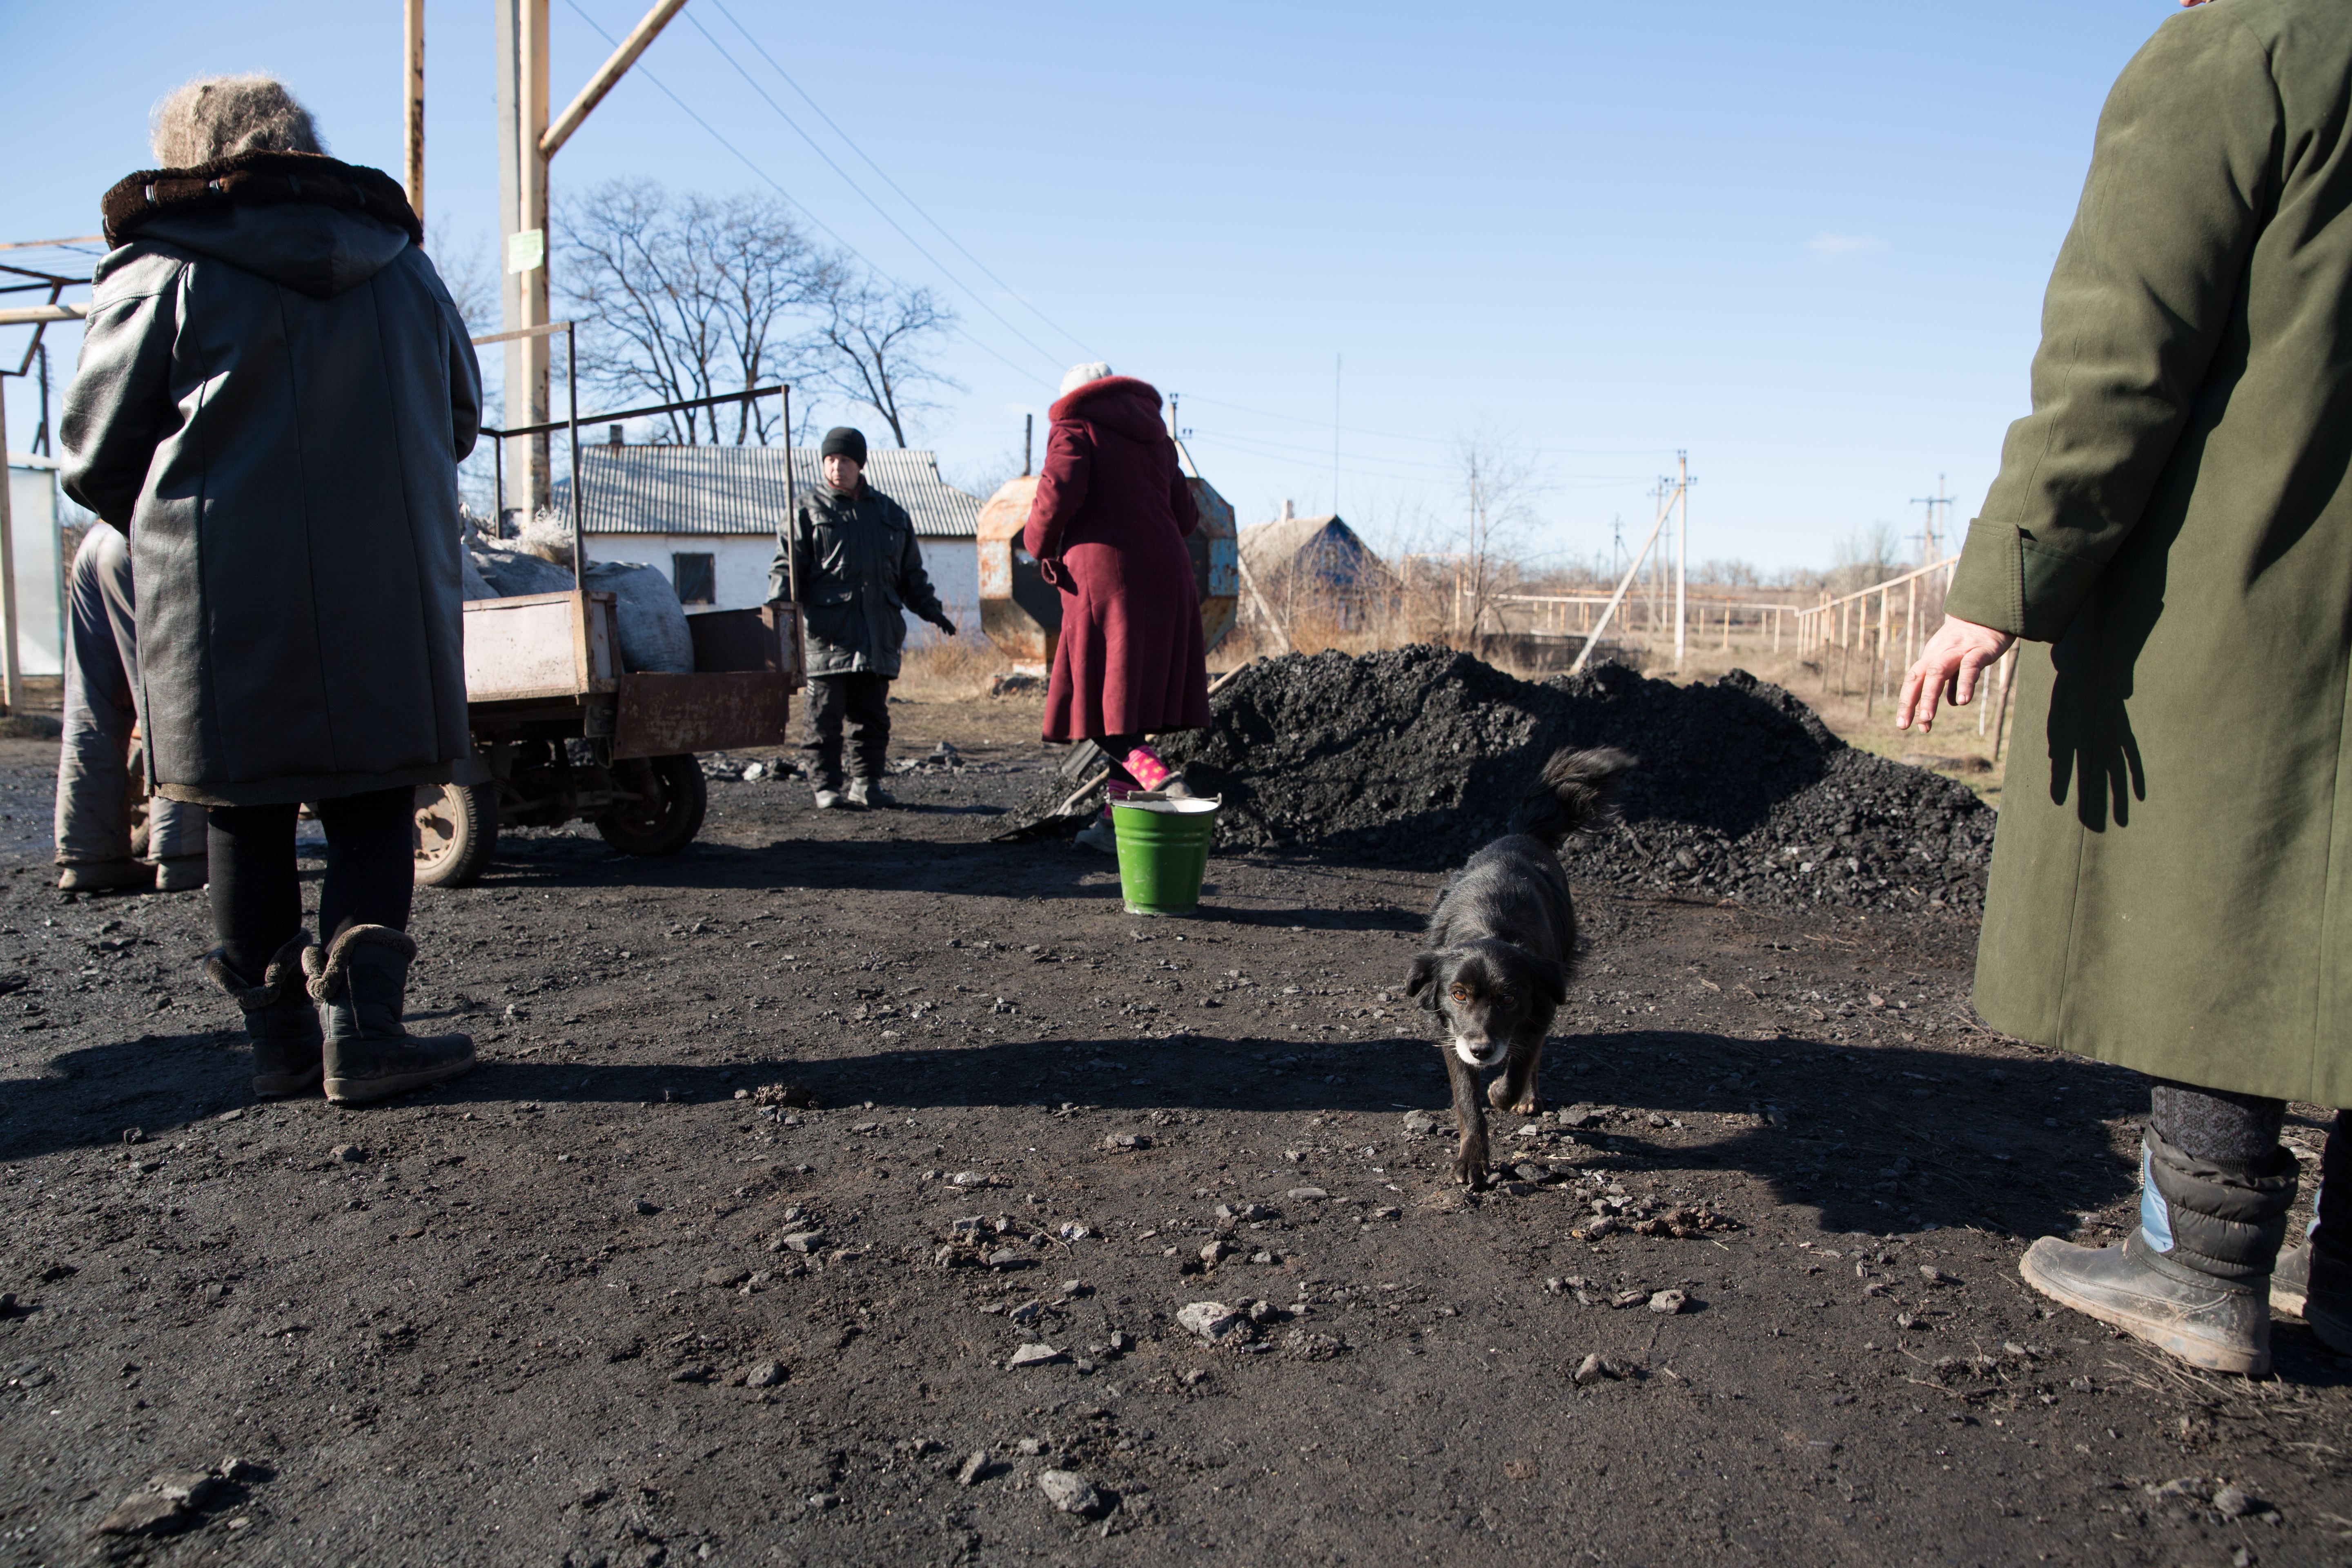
(1021, 612)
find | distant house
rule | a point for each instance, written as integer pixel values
(707, 517)
(1314, 566)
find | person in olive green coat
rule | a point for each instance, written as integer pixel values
(2172, 524)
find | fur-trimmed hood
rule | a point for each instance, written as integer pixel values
(306, 221)
(1117, 403)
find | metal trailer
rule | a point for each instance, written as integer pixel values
(562, 733)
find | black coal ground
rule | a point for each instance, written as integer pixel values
(554, 1312)
(1415, 757)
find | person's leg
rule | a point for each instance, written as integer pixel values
(1102, 833)
(361, 970)
(93, 808)
(869, 712)
(257, 895)
(2194, 1278)
(828, 698)
(2331, 1227)
(873, 716)
(256, 908)
(175, 829)
(2314, 1281)
(371, 861)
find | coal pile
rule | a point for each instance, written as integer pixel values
(1415, 757)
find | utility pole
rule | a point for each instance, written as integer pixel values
(413, 40)
(1028, 441)
(1931, 540)
(1335, 361)
(1682, 558)
(527, 141)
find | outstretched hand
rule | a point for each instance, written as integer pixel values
(944, 625)
(1948, 670)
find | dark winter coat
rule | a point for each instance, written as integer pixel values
(1109, 522)
(274, 392)
(860, 568)
(2174, 520)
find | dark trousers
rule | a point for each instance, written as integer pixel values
(256, 895)
(2240, 1129)
(864, 700)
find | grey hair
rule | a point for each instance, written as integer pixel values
(1077, 375)
(217, 117)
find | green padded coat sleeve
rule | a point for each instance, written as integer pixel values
(2184, 174)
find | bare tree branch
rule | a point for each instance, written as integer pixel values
(689, 296)
(879, 342)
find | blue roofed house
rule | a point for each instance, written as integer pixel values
(707, 517)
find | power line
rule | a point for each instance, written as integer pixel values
(1445, 478)
(640, 71)
(1433, 465)
(1433, 441)
(894, 185)
(976, 298)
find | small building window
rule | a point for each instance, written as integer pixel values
(696, 578)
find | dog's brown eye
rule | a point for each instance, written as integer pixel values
(1460, 992)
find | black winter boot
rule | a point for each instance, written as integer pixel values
(2316, 1287)
(278, 1020)
(369, 1056)
(2194, 1278)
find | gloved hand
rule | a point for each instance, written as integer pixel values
(944, 625)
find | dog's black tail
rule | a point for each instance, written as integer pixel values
(1571, 794)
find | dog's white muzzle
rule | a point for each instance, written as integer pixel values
(1481, 1053)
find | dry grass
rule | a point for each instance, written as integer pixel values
(951, 670)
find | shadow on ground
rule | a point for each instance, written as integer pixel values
(1870, 1157)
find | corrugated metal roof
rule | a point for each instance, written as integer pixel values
(742, 489)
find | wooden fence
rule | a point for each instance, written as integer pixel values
(1842, 629)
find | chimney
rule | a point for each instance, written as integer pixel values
(611, 434)
(1287, 512)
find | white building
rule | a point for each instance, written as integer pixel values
(40, 571)
(707, 517)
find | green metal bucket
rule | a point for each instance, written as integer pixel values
(1163, 852)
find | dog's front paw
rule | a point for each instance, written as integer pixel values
(1498, 1095)
(1470, 1167)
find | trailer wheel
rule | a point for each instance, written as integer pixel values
(668, 814)
(457, 831)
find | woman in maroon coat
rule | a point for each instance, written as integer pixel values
(1108, 528)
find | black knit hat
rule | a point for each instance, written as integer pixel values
(841, 441)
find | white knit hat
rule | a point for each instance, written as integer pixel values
(1077, 375)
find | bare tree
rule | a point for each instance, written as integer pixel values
(469, 270)
(687, 296)
(1499, 489)
(879, 339)
(1865, 555)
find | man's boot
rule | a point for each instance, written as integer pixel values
(360, 980)
(105, 876)
(278, 1020)
(2194, 1278)
(2317, 1288)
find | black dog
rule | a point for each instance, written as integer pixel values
(1501, 943)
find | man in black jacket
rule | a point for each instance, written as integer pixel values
(851, 552)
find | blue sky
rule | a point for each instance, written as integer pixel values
(1807, 243)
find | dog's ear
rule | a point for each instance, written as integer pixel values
(1555, 984)
(1425, 969)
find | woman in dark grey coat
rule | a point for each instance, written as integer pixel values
(275, 391)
